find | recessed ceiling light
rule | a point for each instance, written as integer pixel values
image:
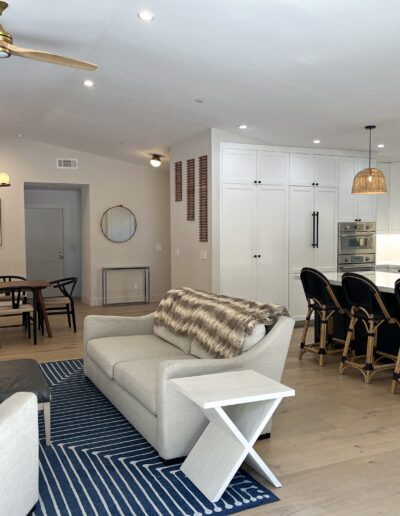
(145, 15)
(88, 83)
(20, 135)
(242, 126)
(316, 141)
(381, 145)
(199, 101)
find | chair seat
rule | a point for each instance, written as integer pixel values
(9, 311)
(56, 301)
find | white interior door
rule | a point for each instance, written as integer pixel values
(301, 207)
(325, 255)
(238, 265)
(44, 244)
(272, 267)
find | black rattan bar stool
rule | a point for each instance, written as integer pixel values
(368, 306)
(396, 374)
(322, 300)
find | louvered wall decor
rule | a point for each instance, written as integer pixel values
(178, 181)
(203, 198)
(190, 189)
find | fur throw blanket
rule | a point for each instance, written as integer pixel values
(219, 323)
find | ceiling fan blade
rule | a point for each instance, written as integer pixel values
(47, 57)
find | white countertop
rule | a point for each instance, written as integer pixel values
(383, 280)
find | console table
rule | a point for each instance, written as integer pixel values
(146, 271)
(251, 399)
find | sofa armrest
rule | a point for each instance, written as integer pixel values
(19, 454)
(100, 326)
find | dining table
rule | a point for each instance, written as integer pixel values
(36, 287)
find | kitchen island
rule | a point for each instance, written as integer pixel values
(389, 334)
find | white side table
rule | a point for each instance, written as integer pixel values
(250, 399)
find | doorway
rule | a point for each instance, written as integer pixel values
(53, 233)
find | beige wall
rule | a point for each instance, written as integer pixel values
(108, 182)
(189, 269)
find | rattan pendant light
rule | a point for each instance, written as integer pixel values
(369, 180)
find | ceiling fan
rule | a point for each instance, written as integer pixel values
(7, 49)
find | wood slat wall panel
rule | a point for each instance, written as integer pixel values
(190, 214)
(178, 181)
(203, 198)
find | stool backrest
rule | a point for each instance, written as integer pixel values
(317, 288)
(364, 296)
(397, 291)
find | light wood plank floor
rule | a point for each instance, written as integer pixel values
(335, 446)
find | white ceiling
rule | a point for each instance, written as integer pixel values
(293, 70)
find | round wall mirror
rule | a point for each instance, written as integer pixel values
(118, 224)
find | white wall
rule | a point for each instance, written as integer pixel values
(70, 202)
(107, 183)
(189, 269)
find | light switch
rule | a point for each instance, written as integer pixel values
(159, 247)
(177, 252)
(203, 254)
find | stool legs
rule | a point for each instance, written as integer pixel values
(322, 345)
(305, 330)
(349, 337)
(396, 374)
(369, 361)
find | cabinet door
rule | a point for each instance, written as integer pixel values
(239, 166)
(302, 169)
(325, 254)
(326, 170)
(301, 207)
(297, 298)
(347, 201)
(394, 204)
(383, 201)
(272, 238)
(273, 168)
(366, 204)
(238, 265)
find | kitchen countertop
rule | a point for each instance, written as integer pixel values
(383, 280)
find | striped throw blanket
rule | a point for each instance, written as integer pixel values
(219, 323)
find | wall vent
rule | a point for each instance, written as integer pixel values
(67, 163)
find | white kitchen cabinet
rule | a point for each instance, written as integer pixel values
(238, 241)
(383, 202)
(273, 168)
(310, 170)
(254, 242)
(297, 299)
(354, 207)
(239, 165)
(394, 198)
(312, 228)
(272, 244)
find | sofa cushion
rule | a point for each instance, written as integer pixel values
(110, 351)
(180, 341)
(139, 378)
(259, 332)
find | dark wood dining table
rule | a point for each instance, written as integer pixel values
(36, 287)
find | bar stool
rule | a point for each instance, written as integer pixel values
(321, 300)
(396, 374)
(368, 306)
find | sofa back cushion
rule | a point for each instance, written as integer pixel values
(180, 341)
(259, 332)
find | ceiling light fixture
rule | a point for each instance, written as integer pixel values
(369, 180)
(88, 83)
(20, 135)
(316, 141)
(242, 126)
(381, 145)
(4, 180)
(145, 15)
(155, 160)
(199, 101)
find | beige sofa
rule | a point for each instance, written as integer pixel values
(131, 361)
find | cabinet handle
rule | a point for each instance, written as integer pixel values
(259, 182)
(259, 256)
(317, 244)
(312, 184)
(255, 182)
(317, 184)
(313, 229)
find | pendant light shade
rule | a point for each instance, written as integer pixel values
(370, 180)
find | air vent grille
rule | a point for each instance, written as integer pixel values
(67, 163)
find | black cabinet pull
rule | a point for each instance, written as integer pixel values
(313, 229)
(255, 182)
(317, 243)
(259, 256)
(255, 256)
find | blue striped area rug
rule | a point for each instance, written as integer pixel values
(99, 464)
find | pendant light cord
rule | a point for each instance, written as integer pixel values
(369, 153)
